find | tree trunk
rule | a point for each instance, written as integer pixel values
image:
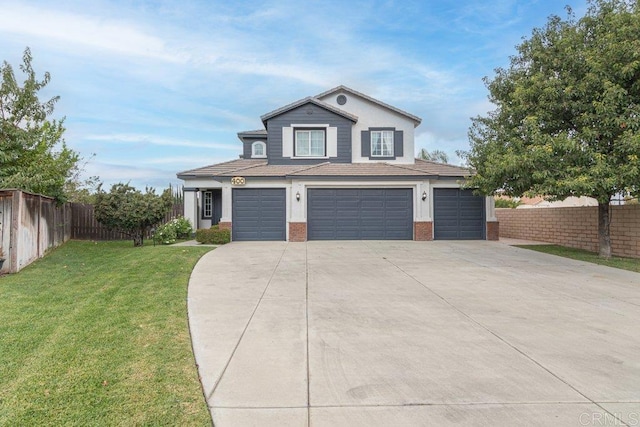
(137, 239)
(604, 236)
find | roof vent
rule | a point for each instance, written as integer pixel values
(341, 99)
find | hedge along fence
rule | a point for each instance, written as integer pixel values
(85, 227)
(575, 227)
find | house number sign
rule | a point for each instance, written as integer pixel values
(238, 180)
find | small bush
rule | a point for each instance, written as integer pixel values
(178, 228)
(213, 235)
(165, 235)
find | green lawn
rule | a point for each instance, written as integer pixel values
(97, 334)
(631, 264)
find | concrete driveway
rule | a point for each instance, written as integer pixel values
(413, 334)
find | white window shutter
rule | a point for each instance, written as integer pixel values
(287, 142)
(332, 142)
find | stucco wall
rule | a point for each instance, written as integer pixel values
(575, 227)
(372, 115)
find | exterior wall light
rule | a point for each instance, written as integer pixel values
(298, 196)
(424, 196)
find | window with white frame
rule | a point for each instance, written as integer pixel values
(207, 204)
(258, 149)
(310, 143)
(381, 143)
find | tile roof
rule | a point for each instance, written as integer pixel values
(218, 168)
(260, 168)
(265, 170)
(440, 169)
(357, 169)
(417, 120)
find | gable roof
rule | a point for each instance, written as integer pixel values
(307, 100)
(416, 120)
(260, 168)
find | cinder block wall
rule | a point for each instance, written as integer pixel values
(574, 227)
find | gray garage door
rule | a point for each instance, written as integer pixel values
(360, 214)
(258, 214)
(458, 215)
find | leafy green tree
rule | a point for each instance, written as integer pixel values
(79, 190)
(33, 154)
(567, 121)
(131, 211)
(438, 156)
(507, 203)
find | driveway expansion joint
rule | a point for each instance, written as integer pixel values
(505, 341)
(264, 291)
(306, 312)
(390, 342)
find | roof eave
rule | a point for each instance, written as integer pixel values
(303, 101)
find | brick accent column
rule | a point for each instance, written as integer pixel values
(493, 230)
(224, 225)
(423, 230)
(297, 231)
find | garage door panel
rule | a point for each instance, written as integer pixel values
(258, 214)
(360, 214)
(458, 215)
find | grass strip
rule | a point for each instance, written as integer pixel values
(631, 264)
(96, 333)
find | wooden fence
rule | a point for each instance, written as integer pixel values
(30, 225)
(85, 227)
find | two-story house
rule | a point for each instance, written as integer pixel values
(339, 165)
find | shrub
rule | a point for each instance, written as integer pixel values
(165, 235)
(507, 203)
(183, 227)
(213, 235)
(178, 228)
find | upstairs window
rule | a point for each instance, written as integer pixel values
(310, 143)
(381, 143)
(258, 149)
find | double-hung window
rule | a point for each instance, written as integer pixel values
(310, 143)
(381, 143)
(207, 204)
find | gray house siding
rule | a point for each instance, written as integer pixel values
(247, 142)
(246, 152)
(307, 114)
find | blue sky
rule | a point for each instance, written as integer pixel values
(156, 87)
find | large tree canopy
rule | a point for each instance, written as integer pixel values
(130, 211)
(567, 121)
(33, 155)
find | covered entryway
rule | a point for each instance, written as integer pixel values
(458, 215)
(360, 214)
(258, 214)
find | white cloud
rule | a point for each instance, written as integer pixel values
(63, 27)
(124, 138)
